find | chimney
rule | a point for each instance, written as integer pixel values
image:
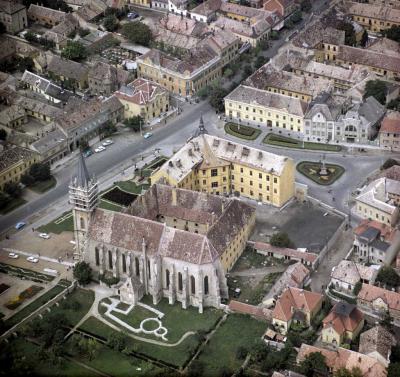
(173, 192)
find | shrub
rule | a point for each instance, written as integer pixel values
(241, 353)
(280, 239)
(389, 163)
(83, 273)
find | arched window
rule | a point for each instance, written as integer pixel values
(206, 285)
(148, 269)
(123, 263)
(97, 256)
(82, 223)
(167, 278)
(180, 282)
(137, 267)
(193, 285)
(110, 261)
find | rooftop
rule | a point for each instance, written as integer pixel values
(391, 123)
(370, 293)
(377, 339)
(12, 156)
(38, 11)
(67, 68)
(351, 272)
(50, 141)
(380, 12)
(140, 91)
(343, 317)
(10, 6)
(317, 33)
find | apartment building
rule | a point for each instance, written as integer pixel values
(211, 164)
(389, 133)
(45, 16)
(13, 16)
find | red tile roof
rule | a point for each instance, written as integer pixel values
(309, 257)
(391, 123)
(343, 323)
(370, 293)
(256, 311)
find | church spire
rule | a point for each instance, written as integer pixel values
(201, 130)
(81, 177)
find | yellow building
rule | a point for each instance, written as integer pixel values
(261, 107)
(343, 324)
(211, 164)
(143, 3)
(144, 98)
(374, 17)
(197, 69)
(14, 163)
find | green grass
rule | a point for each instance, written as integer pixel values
(41, 187)
(66, 225)
(237, 331)
(45, 368)
(288, 142)
(243, 132)
(11, 205)
(305, 168)
(27, 310)
(129, 186)
(24, 273)
(174, 356)
(85, 299)
(110, 206)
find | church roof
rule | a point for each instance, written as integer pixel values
(201, 129)
(81, 178)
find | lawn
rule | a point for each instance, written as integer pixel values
(288, 142)
(110, 206)
(83, 297)
(237, 331)
(310, 170)
(11, 205)
(43, 186)
(174, 356)
(129, 186)
(243, 132)
(64, 223)
(10, 322)
(43, 368)
(251, 259)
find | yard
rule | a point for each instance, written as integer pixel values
(243, 132)
(251, 259)
(288, 142)
(220, 353)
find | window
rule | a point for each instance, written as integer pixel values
(148, 269)
(82, 221)
(180, 282)
(167, 278)
(206, 285)
(275, 180)
(123, 263)
(251, 172)
(97, 256)
(260, 175)
(214, 184)
(192, 285)
(214, 172)
(110, 261)
(137, 266)
(241, 170)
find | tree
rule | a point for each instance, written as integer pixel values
(135, 123)
(260, 61)
(280, 239)
(386, 321)
(388, 276)
(364, 38)
(110, 22)
(74, 51)
(305, 6)
(13, 189)
(296, 17)
(4, 199)
(377, 89)
(196, 369)
(83, 273)
(40, 171)
(3, 134)
(241, 353)
(392, 33)
(343, 372)
(27, 179)
(314, 363)
(137, 32)
(357, 288)
(216, 98)
(389, 163)
(117, 341)
(394, 370)
(394, 104)
(349, 32)
(228, 72)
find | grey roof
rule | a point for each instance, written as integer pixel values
(81, 179)
(380, 245)
(372, 110)
(343, 308)
(50, 141)
(370, 234)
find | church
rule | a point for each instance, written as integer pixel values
(170, 242)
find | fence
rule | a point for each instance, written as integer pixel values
(40, 310)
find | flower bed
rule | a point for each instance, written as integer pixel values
(24, 295)
(244, 132)
(311, 169)
(116, 195)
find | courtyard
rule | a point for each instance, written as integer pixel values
(308, 225)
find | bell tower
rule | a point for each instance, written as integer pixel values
(83, 195)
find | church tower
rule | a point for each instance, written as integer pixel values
(83, 195)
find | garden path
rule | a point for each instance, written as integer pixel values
(259, 271)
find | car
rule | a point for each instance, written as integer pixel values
(147, 135)
(107, 142)
(99, 149)
(32, 259)
(132, 15)
(44, 235)
(13, 255)
(19, 225)
(87, 153)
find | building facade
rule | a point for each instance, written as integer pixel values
(389, 133)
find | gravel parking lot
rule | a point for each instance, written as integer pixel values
(305, 224)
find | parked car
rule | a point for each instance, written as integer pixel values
(44, 235)
(13, 255)
(132, 15)
(87, 153)
(32, 259)
(107, 142)
(99, 149)
(20, 225)
(147, 135)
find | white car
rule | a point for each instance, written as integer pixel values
(32, 259)
(44, 235)
(13, 255)
(107, 142)
(100, 149)
(147, 135)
